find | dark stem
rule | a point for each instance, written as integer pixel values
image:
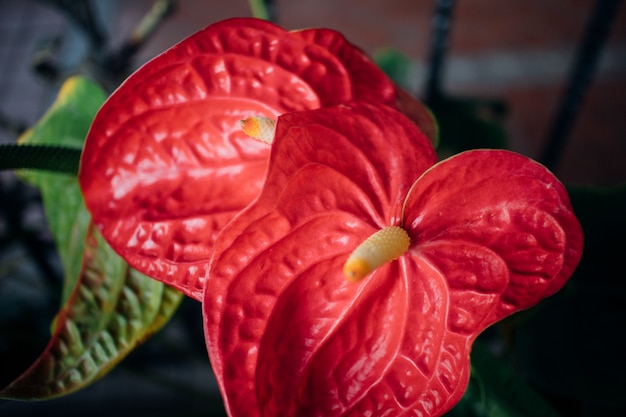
(581, 74)
(270, 6)
(40, 157)
(82, 13)
(263, 9)
(119, 60)
(440, 34)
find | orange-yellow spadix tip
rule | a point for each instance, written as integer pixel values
(381, 247)
(259, 127)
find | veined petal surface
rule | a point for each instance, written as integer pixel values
(277, 307)
(166, 164)
(500, 226)
(492, 232)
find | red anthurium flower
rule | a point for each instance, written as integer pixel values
(166, 165)
(357, 281)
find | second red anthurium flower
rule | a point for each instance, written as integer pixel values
(166, 165)
(311, 310)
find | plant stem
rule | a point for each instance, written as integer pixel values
(582, 71)
(40, 157)
(263, 9)
(440, 34)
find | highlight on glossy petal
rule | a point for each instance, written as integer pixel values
(489, 233)
(383, 246)
(259, 127)
(166, 164)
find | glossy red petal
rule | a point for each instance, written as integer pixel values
(277, 307)
(492, 232)
(429, 370)
(499, 227)
(165, 164)
(366, 85)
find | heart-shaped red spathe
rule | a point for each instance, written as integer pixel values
(503, 217)
(165, 164)
(491, 232)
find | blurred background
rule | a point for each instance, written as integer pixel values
(515, 53)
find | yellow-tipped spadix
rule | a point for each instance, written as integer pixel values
(259, 127)
(383, 246)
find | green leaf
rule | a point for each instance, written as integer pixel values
(469, 123)
(395, 64)
(111, 310)
(260, 9)
(65, 124)
(495, 390)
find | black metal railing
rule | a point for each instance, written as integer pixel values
(114, 64)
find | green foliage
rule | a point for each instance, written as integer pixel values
(469, 123)
(496, 390)
(109, 308)
(260, 9)
(464, 122)
(65, 124)
(395, 64)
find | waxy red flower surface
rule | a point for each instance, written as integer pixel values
(491, 232)
(166, 165)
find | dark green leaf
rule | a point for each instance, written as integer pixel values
(469, 123)
(495, 390)
(395, 64)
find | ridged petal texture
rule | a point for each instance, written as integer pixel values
(166, 164)
(491, 232)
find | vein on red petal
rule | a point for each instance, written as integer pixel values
(263, 268)
(261, 255)
(512, 207)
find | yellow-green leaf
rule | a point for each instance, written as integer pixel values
(108, 307)
(65, 124)
(111, 310)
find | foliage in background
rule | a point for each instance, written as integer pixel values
(464, 122)
(108, 308)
